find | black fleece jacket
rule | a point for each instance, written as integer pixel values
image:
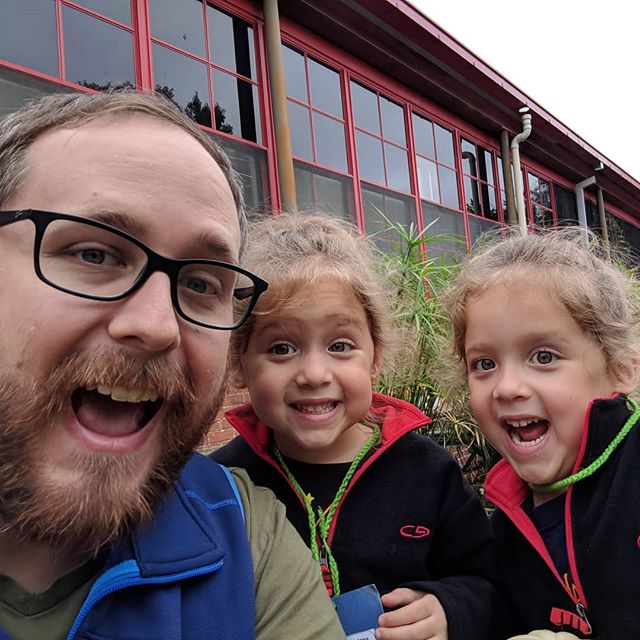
(602, 526)
(408, 518)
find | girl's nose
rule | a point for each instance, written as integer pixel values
(314, 371)
(511, 384)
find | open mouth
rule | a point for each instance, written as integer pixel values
(114, 411)
(314, 409)
(527, 432)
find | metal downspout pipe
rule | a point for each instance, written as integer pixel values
(507, 175)
(603, 222)
(284, 155)
(517, 171)
(582, 210)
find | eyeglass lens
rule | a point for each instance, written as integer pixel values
(97, 262)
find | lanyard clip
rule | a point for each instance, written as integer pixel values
(582, 612)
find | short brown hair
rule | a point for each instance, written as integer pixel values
(18, 130)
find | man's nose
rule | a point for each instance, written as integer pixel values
(146, 319)
(314, 370)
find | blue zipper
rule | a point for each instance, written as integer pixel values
(123, 576)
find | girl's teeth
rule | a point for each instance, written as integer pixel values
(525, 443)
(318, 408)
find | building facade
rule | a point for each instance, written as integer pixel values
(385, 112)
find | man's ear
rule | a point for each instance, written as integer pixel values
(236, 374)
(627, 374)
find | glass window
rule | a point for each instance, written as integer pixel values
(428, 179)
(236, 106)
(184, 81)
(180, 23)
(472, 195)
(448, 187)
(393, 121)
(300, 127)
(423, 136)
(325, 88)
(370, 157)
(397, 168)
(365, 108)
(396, 208)
(478, 226)
(540, 197)
(320, 189)
(251, 165)
(28, 34)
(331, 149)
(446, 235)
(444, 145)
(566, 207)
(469, 164)
(118, 10)
(480, 193)
(231, 43)
(97, 54)
(294, 73)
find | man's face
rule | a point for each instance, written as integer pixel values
(79, 463)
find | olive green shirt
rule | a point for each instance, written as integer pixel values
(291, 600)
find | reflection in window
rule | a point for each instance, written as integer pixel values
(437, 176)
(236, 106)
(397, 208)
(231, 43)
(180, 23)
(118, 10)
(97, 54)
(314, 96)
(478, 226)
(566, 207)
(446, 237)
(317, 188)
(388, 165)
(184, 81)
(479, 181)
(33, 23)
(540, 201)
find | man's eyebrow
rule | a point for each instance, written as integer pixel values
(207, 245)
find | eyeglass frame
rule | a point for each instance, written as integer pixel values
(155, 262)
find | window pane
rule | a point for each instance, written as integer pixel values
(180, 23)
(294, 73)
(231, 43)
(486, 166)
(472, 195)
(324, 190)
(325, 88)
(566, 207)
(369, 157)
(446, 223)
(396, 208)
(97, 54)
(16, 88)
(251, 165)
(533, 188)
(444, 145)
(449, 187)
(300, 131)
(489, 207)
(538, 215)
(469, 163)
(184, 81)
(393, 122)
(28, 34)
(118, 10)
(397, 168)
(330, 143)
(544, 193)
(478, 226)
(365, 108)
(236, 106)
(428, 180)
(423, 136)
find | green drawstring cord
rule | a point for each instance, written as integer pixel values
(322, 525)
(599, 461)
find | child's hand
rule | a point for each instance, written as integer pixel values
(417, 616)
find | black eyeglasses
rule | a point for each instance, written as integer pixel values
(93, 260)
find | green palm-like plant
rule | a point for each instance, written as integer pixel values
(418, 270)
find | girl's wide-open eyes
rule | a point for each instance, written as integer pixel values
(281, 349)
(340, 346)
(543, 357)
(483, 364)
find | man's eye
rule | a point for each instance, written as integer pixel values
(281, 349)
(340, 346)
(96, 256)
(484, 364)
(543, 357)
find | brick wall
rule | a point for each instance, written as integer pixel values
(221, 431)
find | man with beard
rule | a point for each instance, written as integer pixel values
(119, 237)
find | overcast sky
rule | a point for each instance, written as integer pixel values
(579, 59)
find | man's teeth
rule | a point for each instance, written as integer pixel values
(315, 408)
(120, 394)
